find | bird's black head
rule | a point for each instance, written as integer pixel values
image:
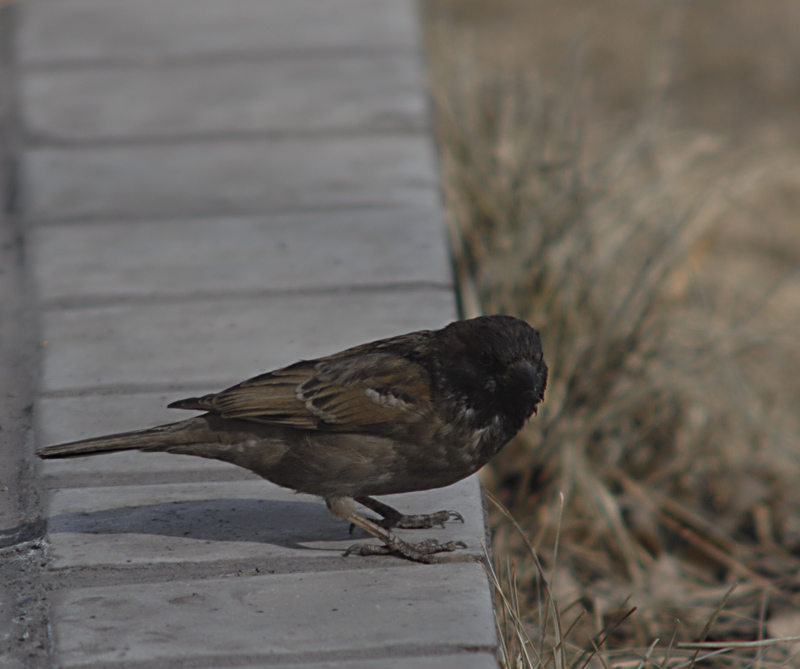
(491, 367)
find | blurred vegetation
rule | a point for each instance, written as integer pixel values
(586, 193)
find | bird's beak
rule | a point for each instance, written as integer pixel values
(531, 381)
(527, 374)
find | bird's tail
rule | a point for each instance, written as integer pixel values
(158, 438)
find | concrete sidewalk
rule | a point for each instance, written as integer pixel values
(205, 191)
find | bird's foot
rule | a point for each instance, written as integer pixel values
(425, 551)
(421, 521)
(393, 518)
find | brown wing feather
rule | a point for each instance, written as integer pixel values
(346, 392)
(268, 398)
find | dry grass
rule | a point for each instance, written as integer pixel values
(661, 431)
(548, 643)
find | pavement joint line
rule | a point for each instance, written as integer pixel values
(70, 303)
(93, 219)
(397, 653)
(70, 578)
(228, 211)
(204, 58)
(374, 129)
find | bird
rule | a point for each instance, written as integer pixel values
(412, 412)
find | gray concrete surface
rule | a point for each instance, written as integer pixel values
(290, 251)
(221, 340)
(319, 93)
(223, 176)
(204, 191)
(325, 614)
(99, 31)
(210, 521)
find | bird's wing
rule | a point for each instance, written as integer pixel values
(346, 392)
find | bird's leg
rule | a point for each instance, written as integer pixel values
(426, 551)
(393, 518)
(422, 552)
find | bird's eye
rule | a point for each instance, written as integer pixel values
(486, 358)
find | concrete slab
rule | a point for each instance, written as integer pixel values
(265, 95)
(206, 522)
(134, 468)
(361, 247)
(408, 607)
(81, 30)
(218, 342)
(141, 113)
(73, 418)
(63, 419)
(228, 176)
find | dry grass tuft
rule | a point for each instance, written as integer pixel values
(657, 432)
(549, 643)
